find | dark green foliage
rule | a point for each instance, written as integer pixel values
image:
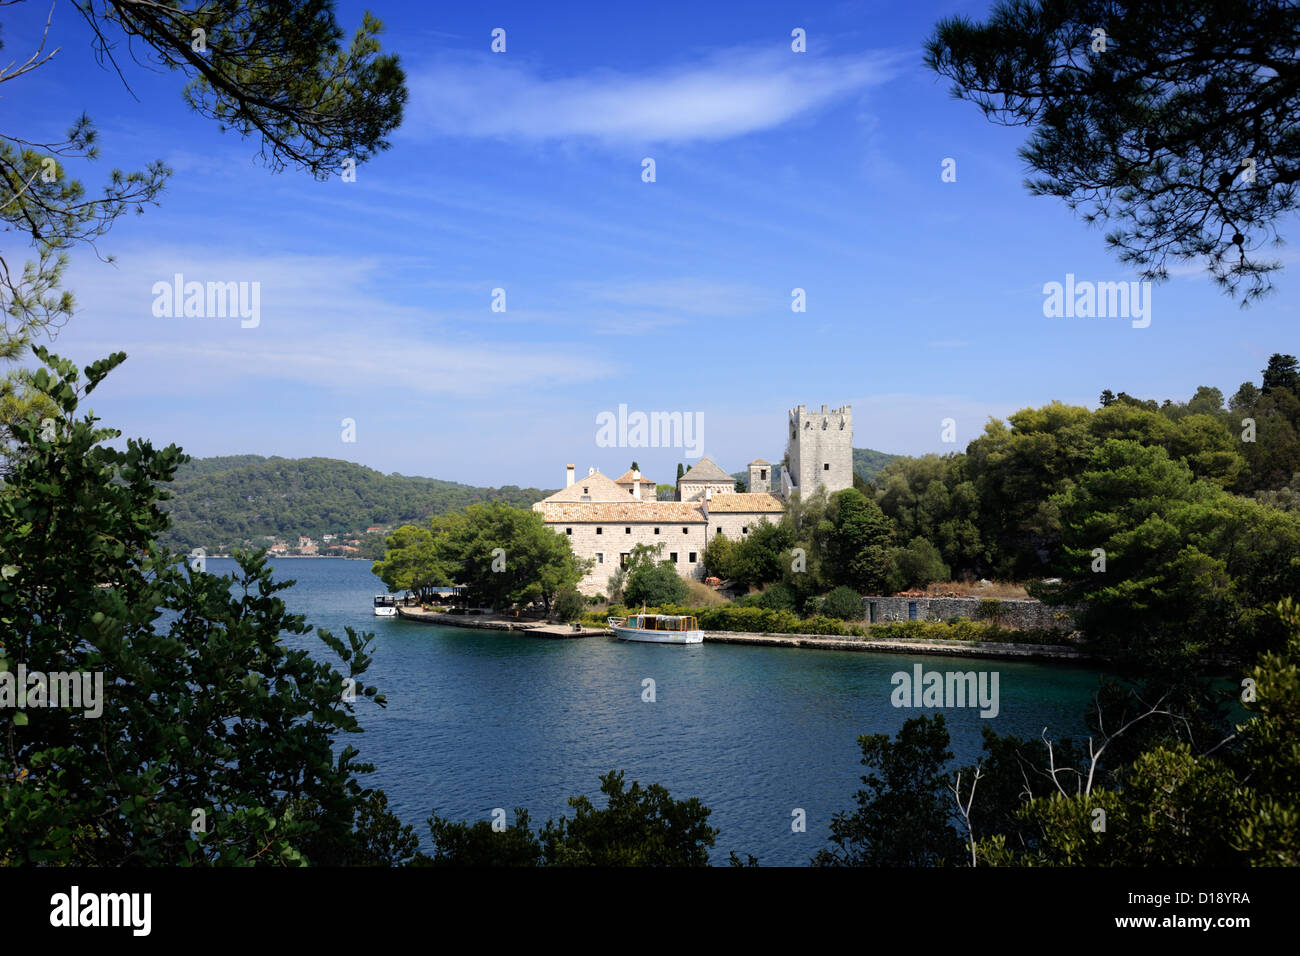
(655, 584)
(204, 708)
(760, 556)
(638, 826)
(222, 503)
(903, 816)
(857, 549)
(778, 597)
(503, 556)
(568, 605)
(915, 565)
(1189, 568)
(843, 603)
(478, 845)
(1150, 134)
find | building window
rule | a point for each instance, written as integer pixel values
(719, 531)
(627, 530)
(568, 531)
(745, 530)
(656, 530)
(826, 466)
(762, 474)
(586, 490)
(622, 559)
(692, 561)
(686, 531)
(672, 556)
(600, 531)
(600, 557)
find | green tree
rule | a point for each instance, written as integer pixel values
(858, 549)
(1175, 806)
(1281, 373)
(569, 605)
(654, 585)
(903, 816)
(760, 556)
(915, 565)
(412, 563)
(843, 603)
(204, 709)
(505, 555)
(638, 826)
(1188, 568)
(1172, 128)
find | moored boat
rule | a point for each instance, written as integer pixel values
(385, 605)
(657, 628)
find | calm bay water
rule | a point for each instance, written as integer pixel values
(480, 719)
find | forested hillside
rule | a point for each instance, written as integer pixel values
(220, 503)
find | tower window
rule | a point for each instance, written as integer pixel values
(600, 557)
(826, 466)
(762, 474)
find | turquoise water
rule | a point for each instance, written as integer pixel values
(479, 719)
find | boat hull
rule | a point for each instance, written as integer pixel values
(385, 612)
(658, 637)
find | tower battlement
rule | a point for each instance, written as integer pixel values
(819, 450)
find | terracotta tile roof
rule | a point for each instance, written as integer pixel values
(631, 512)
(706, 470)
(599, 488)
(628, 478)
(755, 501)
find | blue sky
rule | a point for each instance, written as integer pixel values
(523, 171)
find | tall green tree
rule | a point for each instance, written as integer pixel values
(505, 555)
(211, 739)
(903, 815)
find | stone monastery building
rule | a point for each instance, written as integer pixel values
(604, 518)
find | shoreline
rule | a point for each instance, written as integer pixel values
(1035, 652)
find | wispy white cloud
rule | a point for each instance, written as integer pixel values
(694, 296)
(730, 93)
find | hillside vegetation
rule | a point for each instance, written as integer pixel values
(220, 503)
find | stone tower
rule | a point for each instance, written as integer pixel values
(819, 453)
(760, 475)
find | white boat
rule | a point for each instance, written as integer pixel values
(657, 628)
(385, 605)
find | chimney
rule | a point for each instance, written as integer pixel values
(636, 485)
(568, 476)
(704, 507)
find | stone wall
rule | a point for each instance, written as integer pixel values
(608, 542)
(1009, 613)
